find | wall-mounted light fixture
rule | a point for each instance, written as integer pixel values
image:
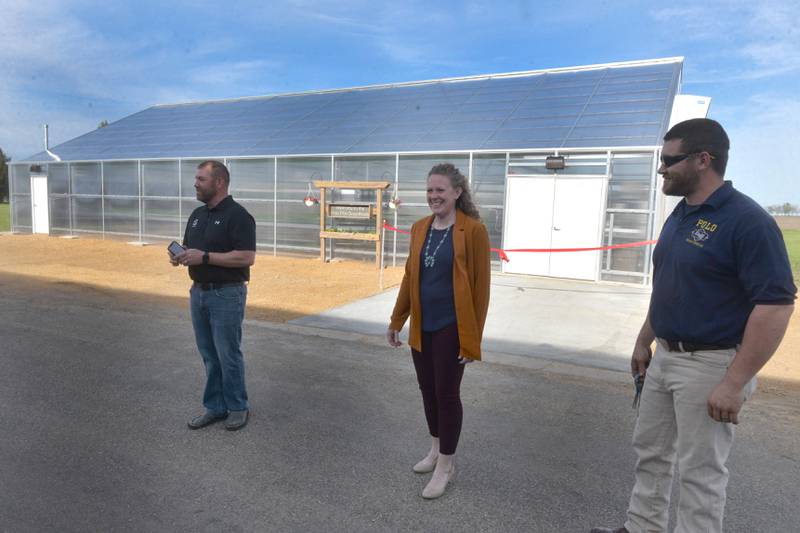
(555, 162)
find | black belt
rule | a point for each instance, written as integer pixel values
(216, 285)
(680, 346)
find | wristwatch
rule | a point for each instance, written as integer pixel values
(205, 258)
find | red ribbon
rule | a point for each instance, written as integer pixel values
(392, 228)
(503, 253)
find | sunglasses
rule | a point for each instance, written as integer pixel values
(669, 160)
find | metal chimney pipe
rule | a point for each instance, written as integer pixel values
(47, 144)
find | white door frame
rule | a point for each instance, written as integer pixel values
(40, 204)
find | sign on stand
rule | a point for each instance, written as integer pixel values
(351, 211)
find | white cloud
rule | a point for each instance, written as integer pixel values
(748, 40)
(764, 133)
(60, 70)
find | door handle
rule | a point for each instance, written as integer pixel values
(556, 228)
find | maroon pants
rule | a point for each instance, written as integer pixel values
(439, 375)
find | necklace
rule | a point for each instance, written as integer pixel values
(430, 259)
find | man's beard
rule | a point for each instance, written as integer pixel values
(680, 185)
(204, 196)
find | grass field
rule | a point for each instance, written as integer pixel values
(5, 217)
(792, 239)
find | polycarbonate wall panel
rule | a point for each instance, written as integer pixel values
(160, 218)
(574, 165)
(295, 175)
(298, 236)
(58, 178)
(59, 213)
(627, 228)
(489, 193)
(406, 216)
(121, 178)
(628, 218)
(87, 214)
(160, 178)
(188, 172)
(584, 165)
(630, 185)
(264, 214)
(298, 225)
(528, 165)
(85, 178)
(122, 215)
(252, 178)
(364, 169)
(20, 179)
(21, 211)
(414, 170)
(622, 278)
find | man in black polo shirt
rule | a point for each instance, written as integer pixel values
(220, 241)
(722, 297)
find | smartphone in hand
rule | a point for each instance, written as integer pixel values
(174, 248)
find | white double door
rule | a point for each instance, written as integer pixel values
(550, 212)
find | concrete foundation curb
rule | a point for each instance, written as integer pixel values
(497, 358)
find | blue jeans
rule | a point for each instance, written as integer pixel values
(217, 316)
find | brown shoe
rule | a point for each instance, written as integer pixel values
(607, 530)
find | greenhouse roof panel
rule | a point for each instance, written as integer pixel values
(623, 104)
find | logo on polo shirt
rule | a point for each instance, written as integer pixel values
(217, 222)
(194, 222)
(699, 235)
(702, 231)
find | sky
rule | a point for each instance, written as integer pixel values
(72, 64)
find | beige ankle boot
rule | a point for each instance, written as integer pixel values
(438, 483)
(426, 465)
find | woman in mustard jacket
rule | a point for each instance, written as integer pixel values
(445, 290)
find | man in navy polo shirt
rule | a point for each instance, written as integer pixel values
(722, 298)
(220, 241)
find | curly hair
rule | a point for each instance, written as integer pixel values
(458, 181)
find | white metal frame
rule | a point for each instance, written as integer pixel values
(606, 152)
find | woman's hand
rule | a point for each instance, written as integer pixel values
(463, 360)
(393, 338)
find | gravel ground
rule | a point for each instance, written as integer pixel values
(281, 289)
(97, 385)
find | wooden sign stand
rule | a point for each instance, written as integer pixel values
(365, 211)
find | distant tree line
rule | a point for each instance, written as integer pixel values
(783, 209)
(4, 160)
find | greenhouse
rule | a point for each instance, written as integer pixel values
(556, 158)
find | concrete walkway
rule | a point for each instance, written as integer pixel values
(530, 319)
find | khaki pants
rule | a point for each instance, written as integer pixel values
(673, 423)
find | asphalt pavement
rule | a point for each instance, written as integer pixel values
(97, 386)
